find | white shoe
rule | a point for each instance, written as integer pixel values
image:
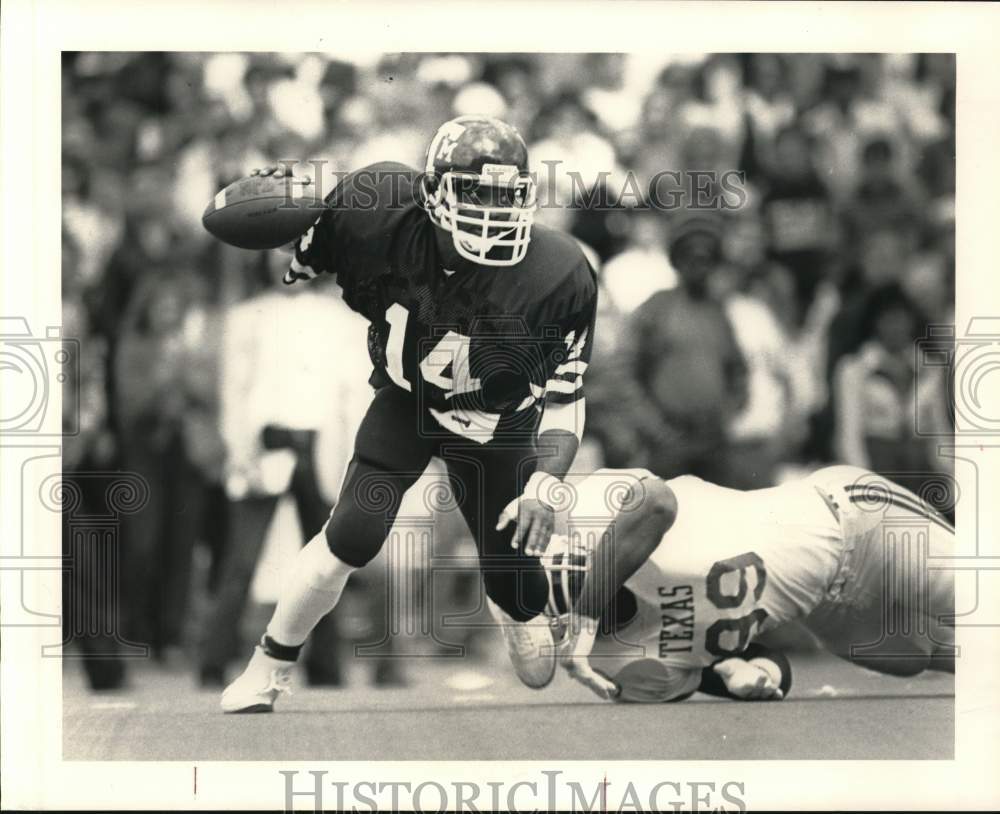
(264, 679)
(530, 646)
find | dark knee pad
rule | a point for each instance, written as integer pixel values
(389, 456)
(364, 514)
(355, 551)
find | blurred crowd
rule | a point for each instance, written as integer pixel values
(735, 342)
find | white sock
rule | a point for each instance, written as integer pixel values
(311, 591)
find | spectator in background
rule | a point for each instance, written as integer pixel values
(798, 212)
(658, 141)
(745, 249)
(338, 85)
(852, 110)
(930, 280)
(287, 418)
(149, 247)
(201, 434)
(514, 78)
(876, 390)
(155, 400)
(768, 107)
(630, 278)
(717, 107)
(756, 291)
(568, 142)
(683, 378)
(880, 200)
(87, 449)
(884, 257)
(577, 168)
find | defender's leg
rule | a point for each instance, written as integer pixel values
(893, 614)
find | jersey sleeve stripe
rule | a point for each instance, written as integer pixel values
(919, 505)
(552, 397)
(577, 367)
(900, 501)
(563, 386)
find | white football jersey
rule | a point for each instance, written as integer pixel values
(733, 564)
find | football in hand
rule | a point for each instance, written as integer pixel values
(263, 212)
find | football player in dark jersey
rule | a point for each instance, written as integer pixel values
(481, 329)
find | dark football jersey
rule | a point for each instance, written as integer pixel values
(486, 350)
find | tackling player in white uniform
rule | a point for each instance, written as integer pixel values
(698, 571)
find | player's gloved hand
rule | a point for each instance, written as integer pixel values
(573, 654)
(749, 680)
(533, 515)
(297, 271)
(278, 171)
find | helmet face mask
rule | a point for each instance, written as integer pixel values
(566, 563)
(478, 188)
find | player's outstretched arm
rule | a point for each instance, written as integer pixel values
(648, 512)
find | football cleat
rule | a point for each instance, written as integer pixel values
(264, 679)
(531, 647)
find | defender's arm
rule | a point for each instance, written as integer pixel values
(647, 513)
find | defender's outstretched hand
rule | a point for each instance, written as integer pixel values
(573, 655)
(749, 681)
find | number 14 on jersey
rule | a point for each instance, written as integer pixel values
(445, 366)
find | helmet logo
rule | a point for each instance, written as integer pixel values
(445, 142)
(446, 148)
